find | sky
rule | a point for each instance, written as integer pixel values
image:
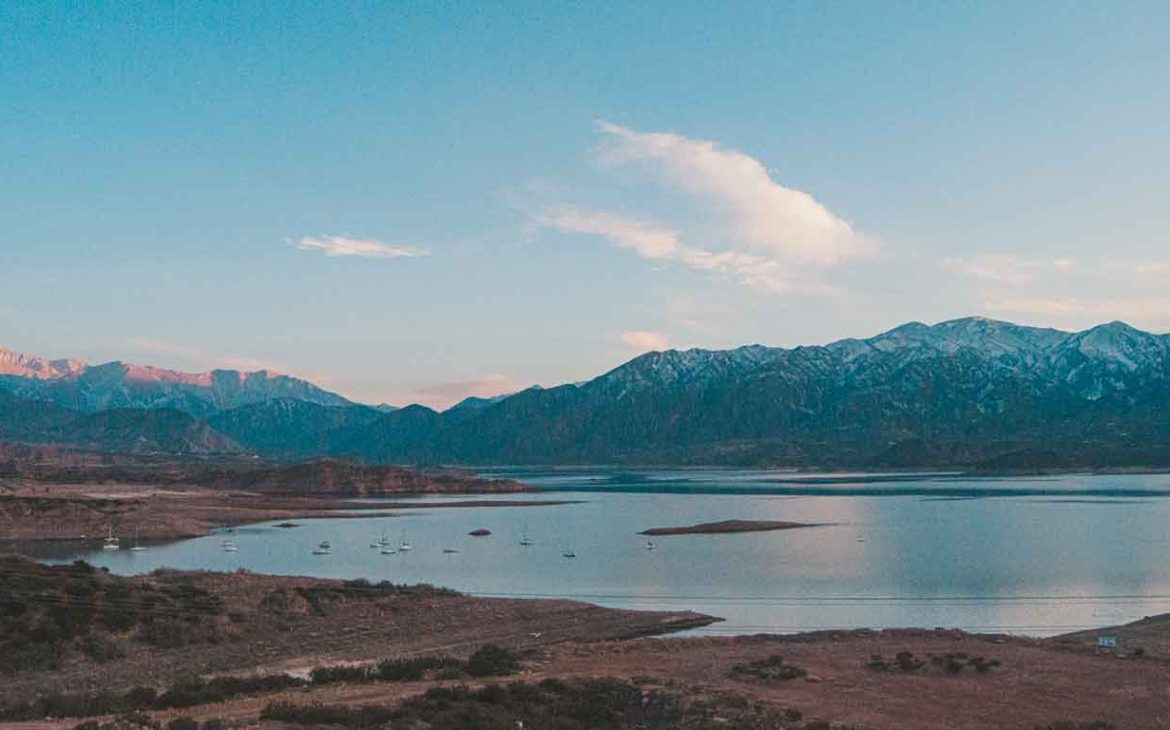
(416, 202)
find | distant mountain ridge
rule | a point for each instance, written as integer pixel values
(965, 393)
(87, 388)
(961, 392)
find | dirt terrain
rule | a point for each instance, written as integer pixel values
(1034, 684)
(169, 626)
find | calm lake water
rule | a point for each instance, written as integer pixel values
(1025, 555)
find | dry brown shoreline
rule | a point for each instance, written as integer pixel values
(87, 512)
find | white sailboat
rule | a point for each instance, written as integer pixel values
(649, 544)
(111, 542)
(525, 540)
(229, 546)
(403, 545)
(137, 545)
(322, 548)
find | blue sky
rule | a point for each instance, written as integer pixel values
(419, 201)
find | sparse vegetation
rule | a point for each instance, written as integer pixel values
(492, 661)
(905, 662)
(772, 669)
(599, 704)
(137, 721)
(391, 670)
(49, 613)
(188, 694)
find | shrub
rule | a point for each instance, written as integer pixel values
(391, 670)
(772, 669)
(492, 661)
(183, 723)
(101, 649)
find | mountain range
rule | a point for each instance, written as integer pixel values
(965, 393)
(90, 388)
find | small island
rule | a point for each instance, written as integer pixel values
(714, 528)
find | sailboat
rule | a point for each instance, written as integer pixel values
(137, 546)
(322, 548)
(387, 550)
(383, 540)
(525, 540)
(649, 544)
(230, 547)
(111, 543)
(403, 545)
(570, 553)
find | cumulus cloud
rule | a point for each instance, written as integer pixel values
(644, 341)
(364, 247)
(776, 221)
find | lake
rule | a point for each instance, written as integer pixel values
(1034, 555)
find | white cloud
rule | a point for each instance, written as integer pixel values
(1013, 270)
(644, 341)
(1068, 292)
(1147, 312)
(773, 220)
(655, 242)
(364, 247)
(1009, 269)
(1154, 270)
(772, 237)
(648, 241)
